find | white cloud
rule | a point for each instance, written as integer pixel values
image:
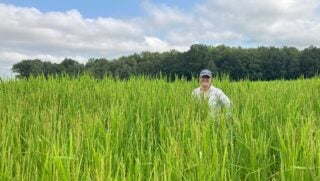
(62, 33)
(163, 16)
(14, 56)
(28, 33)
(274, 22)
(10, 58)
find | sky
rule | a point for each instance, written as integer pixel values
(54, 30)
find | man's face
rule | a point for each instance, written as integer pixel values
(205, 80)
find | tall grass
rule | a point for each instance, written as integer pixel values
(142, 129)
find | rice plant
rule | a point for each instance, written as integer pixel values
(150, 129)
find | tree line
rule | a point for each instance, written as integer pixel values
(261, 63)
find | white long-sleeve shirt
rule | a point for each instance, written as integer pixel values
(216, 98)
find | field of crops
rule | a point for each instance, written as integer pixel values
(142, 129)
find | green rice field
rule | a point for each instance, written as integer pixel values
(151, 129)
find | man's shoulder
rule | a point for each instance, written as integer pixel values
(196, 90)
(215, 89)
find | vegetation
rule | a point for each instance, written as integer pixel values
(141, 129)
(262, 63)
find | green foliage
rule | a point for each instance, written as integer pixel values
(99, 68)
(262, 63)
(27, 68)
(52, 69)
(72, 67)
(310, 61)
(142, 129)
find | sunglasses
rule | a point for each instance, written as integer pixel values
(205, 77)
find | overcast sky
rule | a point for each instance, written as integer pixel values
(53, 30)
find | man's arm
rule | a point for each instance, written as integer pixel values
(195, 93)
(227, 103)
(225, 100)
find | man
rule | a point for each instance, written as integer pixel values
(216, 98)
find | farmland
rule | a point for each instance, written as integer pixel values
(151, 129)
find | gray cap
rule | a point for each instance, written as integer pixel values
(205, 72)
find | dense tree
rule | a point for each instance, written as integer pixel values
(51, 69)
(228, 62)
(72, 67)
(262, 63)
(99, 68)
(27, 68)
(272, 63)
(197, 58)
(309, 61)
(169, 64)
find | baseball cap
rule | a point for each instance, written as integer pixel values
(205, 72)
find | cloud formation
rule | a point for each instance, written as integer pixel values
(27, 33)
